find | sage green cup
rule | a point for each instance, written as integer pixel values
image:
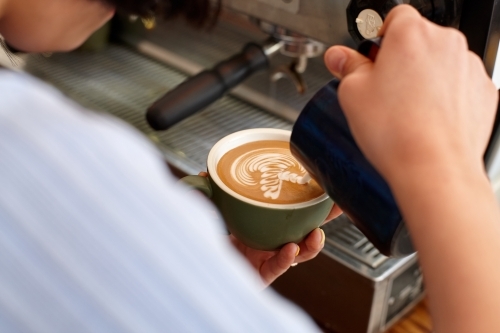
(259, 225)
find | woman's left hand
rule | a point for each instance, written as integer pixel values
(271, 264)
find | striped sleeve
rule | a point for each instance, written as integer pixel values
(96, 236)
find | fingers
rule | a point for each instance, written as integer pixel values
(273, 264)
(203, 174)
(334, 213)
(311, 246)
(278, 264)
(405, 13)
(342, 61)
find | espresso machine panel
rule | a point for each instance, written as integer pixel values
(297, 29)
(324, 21)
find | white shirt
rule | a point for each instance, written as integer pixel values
(96, 236)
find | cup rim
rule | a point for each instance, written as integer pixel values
(276, 134)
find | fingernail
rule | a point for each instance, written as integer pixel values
(298, 251)
(336, 59)
(323, 237)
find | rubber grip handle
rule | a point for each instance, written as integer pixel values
(205, 88)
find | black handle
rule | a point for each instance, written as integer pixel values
(205, 88)
(370, 47)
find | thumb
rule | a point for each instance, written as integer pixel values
(342, 61)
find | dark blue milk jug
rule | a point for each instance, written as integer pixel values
(322, 142)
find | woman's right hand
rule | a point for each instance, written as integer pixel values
(422, 113)
(425, 101)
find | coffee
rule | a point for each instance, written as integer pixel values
(266, 171)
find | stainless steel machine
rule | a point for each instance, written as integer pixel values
(350, 287)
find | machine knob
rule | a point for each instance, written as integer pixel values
(365, 17)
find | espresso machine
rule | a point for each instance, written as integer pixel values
(350, 287)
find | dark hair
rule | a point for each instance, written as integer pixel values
(197, 12)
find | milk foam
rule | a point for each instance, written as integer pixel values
(273, 168)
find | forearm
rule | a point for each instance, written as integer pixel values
(458, 246)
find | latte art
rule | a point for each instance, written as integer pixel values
(272, 167)
(266, 171)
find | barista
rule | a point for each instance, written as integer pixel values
(95, 236)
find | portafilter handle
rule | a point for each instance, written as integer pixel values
(206, 87)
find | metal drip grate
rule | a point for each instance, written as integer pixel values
(342, 234)
(121, 82)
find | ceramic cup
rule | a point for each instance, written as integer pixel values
(259, 225)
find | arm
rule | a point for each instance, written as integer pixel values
(422, 114)
(455, 225)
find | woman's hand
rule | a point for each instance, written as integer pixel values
(426, 102)
(271, 264)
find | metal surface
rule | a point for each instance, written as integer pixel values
(121, 82)
(356, 259)
(168, 43)
(322, 20)
(294, 44)
(291, 6)
(345, 236)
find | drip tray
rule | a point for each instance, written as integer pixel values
(124, 83)
(343, 235)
